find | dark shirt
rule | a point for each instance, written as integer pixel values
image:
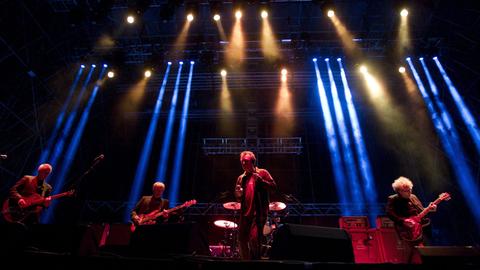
(29, 185)
(148, 204)
(255, 198)
(399, 208)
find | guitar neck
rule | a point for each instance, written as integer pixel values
(428, 209)
(175, 208)
(56, 196)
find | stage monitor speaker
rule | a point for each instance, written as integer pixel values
(450, 254)
(65, 239)
(165, 239)
(312, 243)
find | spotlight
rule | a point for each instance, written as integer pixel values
(238, 14)
(421, 58)
(408, 58)
(363, 69)
(314, 59)
(284, 78)
(435, 58)
(130, 19)
(339, 59)
(327, 59)
(192, 62)
(284, 71)
(93, 65)
(264, 14)
(105, 65)
(330, 13)
(148, 74)
(401, 69)
(82, 66)
(169, 63)
(216, 17)
(404, 12)
(181, 62)
(223, 73)
(111, 74)
(190, 17)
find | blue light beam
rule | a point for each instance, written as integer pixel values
(163, 162)
(46, 152)
(365, 167)
(60, 144)
(347, 153)
(177, 167)
(73, 147)
(147, 148)
(332, 143)
(467, 116)
(454, 151)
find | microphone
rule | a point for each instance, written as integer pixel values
(3, 156)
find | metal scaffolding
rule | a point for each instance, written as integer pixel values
(233, 146)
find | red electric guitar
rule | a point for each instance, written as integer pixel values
(151, 218)
(414, 231)
(12, 212)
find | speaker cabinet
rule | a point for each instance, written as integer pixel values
(165, 239)
(312, 243)
(460, 255)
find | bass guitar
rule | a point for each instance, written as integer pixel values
(414, 230)
(152, 217)
(12, 212)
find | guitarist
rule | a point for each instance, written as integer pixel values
(148, 204)
(29, 185)
(401, 207)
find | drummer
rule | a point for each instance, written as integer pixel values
(251, 190)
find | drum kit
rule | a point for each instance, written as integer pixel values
(229, 243)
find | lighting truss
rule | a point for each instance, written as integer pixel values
(233, 146)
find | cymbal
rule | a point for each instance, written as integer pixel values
(232, 205)
(226, 224)
(276, 206)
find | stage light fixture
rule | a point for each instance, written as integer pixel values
(264, 14)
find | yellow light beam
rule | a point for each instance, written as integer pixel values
(269, 45)
(235, 50)
(345, 36)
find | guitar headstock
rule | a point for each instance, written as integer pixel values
(190, 203)
(445, 196)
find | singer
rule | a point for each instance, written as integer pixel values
(251, 190)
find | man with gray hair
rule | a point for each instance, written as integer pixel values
(149, 204)
(32, 187)
(401, 208)
(251, 190)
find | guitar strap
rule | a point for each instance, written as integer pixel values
(417, 204)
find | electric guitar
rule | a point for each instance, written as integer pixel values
(12, 212)
(152, 217)
(414, 230)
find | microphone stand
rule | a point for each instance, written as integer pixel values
(95, 162)
(222, 195)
